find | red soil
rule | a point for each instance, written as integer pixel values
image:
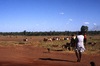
(36, 56)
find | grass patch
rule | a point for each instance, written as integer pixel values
(37, 41)
(54, 45)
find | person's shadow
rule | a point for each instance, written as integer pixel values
(92, 63)
(51, 59)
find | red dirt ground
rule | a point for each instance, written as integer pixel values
(35, 56)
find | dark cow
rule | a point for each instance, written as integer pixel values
(92, 43)
(45, 39)
(25, 39)
(67, 46)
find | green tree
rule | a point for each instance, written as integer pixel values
(24, 32)
(84, 29)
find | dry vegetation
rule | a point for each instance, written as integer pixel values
(52, 45)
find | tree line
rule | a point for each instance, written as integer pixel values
(83, 29)
(50, 33)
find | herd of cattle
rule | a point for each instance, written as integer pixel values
(56, 38)
(67, 45)
(64, 38)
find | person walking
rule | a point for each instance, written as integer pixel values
(73, 42)
(79, 46)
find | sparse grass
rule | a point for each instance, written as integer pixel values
(37, 41)
(93, 49)
(53, 45)
(7, 43)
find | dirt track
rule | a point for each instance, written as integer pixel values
(34, 56)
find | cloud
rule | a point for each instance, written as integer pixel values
(69, 20)
(86, 23)
(67, 23)
(62, 13)
(94, 24)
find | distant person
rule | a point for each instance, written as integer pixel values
(79, 46)
(73, 42)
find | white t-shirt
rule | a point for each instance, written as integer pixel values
(80, 44)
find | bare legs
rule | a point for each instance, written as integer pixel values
(78, 55)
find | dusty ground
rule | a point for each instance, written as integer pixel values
(27, 55)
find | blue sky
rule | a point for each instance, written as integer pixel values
(49, 15)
